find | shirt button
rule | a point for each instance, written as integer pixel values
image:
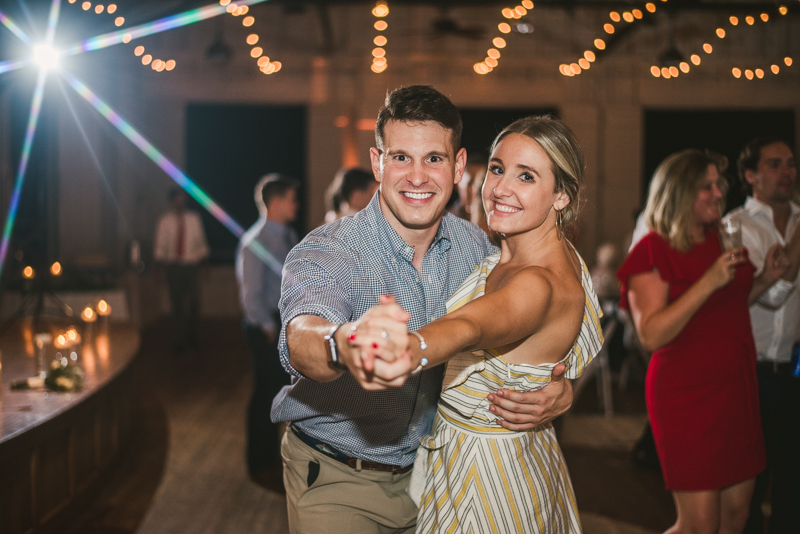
(413, 429)
(418, 279)
(408, 249)
(422, 396)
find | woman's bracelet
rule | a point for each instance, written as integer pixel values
(422, 346)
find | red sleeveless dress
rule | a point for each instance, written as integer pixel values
(701, 389)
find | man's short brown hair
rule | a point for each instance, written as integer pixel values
(419, 103)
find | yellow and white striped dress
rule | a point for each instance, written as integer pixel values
(472, 475)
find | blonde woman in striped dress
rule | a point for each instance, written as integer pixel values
(532, 307)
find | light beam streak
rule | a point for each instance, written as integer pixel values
(52, 21)
(95, 159)
(170, 168)
(16, 30)
(149, 28)
(33, 120)
(6, 66)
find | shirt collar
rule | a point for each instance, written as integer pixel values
(392, 239)
(755, 207)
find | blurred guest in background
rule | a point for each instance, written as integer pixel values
(689, 302)
(349, 192)
(769, 217)
(181, 247)
(604, 272)
(259, 262)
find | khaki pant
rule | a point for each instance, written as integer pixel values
(327, 497)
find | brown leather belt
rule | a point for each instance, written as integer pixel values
(355, 463)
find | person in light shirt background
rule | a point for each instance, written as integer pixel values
(181, 248)
(769, 216)
(259, 292)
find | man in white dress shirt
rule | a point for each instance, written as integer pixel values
(767, 170)
(181, 247)
(259, 293)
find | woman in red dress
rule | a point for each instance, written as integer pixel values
(689, 302)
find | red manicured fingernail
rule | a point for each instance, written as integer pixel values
(352, 337)
(374, 345)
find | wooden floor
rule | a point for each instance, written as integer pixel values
(185, 473)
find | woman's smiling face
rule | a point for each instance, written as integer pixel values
(519, 191)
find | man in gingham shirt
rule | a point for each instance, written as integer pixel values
(348, 452)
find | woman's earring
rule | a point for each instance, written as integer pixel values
(559, 223)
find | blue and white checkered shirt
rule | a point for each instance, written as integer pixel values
(338, 272)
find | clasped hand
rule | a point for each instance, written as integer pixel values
(379, 343)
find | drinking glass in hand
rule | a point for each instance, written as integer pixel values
(731, 234)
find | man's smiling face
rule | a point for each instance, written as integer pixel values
(417, 169)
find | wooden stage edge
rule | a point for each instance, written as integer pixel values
(57, 449)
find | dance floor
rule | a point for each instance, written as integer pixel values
(185, 473)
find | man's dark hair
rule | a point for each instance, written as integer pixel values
(750, 156)
(419, 103)
(274, 185)
(353, 180)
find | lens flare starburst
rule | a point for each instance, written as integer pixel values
(46, 57)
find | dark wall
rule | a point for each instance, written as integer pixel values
(229, 147)
(481, 125)
(723, 131)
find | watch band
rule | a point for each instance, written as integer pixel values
(330, 346)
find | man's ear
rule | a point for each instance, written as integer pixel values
(750, 176)
(375, 159)
(461, 164)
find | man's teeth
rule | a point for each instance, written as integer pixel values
(506, 209)
(418, 196)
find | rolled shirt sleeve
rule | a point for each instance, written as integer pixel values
(315, 277)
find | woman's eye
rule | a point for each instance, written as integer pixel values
(494, 169)
(525, 177)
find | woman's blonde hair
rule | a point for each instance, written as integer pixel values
(673, 191)
(565, 153)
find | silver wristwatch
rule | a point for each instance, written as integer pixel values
(330, 346)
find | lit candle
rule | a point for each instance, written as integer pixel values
(88, 315)
(103, 309)
(62, 342)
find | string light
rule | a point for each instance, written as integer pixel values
(737, 72)
(119, 21)
(589, 57)
(493, 54)
(381, 9)
(379, 62)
